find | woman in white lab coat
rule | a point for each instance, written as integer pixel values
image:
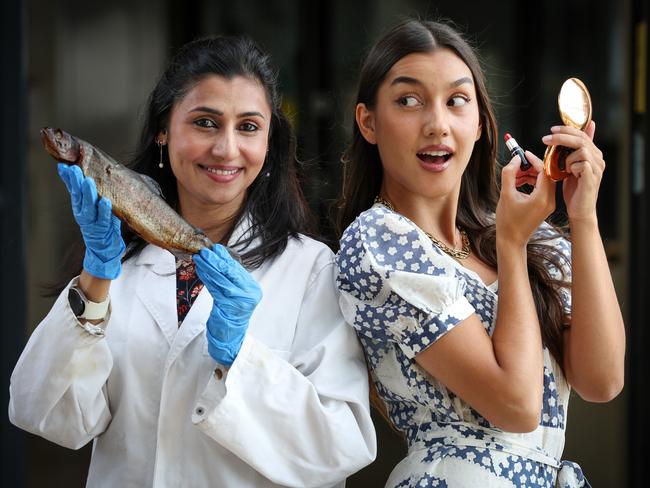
(203, 372)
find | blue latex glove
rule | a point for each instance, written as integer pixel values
(100, 229)
(235, 294)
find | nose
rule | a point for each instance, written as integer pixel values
(436, 122)
(225, 146)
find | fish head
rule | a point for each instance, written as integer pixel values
(60, 145)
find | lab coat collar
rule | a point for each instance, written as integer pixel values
(243, 230)
(162, 306)
(163, 261)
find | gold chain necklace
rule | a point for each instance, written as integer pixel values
(454, 253)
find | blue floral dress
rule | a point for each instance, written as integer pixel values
(402, 293)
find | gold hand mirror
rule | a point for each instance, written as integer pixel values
(574, 104)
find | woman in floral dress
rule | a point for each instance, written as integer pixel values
(431, 247)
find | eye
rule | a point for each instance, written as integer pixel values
(249, 127)
(458, 101)
(206, 123)
(408, 101)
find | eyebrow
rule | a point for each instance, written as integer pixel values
(414, 81)
(220, 113)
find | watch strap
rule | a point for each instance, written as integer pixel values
(92, 310)
(96, 311)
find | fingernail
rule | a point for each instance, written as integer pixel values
(555, 128)
(546, 139)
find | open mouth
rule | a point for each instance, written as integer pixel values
(434, 157)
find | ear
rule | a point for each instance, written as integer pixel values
(366, 122)
(479, 131)
(161, 138)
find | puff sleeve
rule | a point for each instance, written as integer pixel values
(396, 286)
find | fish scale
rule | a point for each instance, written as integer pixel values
(134, 199)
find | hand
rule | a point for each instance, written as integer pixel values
(100, 229)
(235, 295)
(586, 165)
(518, 215)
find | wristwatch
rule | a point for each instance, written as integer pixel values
(84, 308)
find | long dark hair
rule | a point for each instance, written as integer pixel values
(362, 170)
(274, 201)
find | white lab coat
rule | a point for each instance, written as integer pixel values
(291, 411)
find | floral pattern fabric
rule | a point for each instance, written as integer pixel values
(188, 287)
(401, 293)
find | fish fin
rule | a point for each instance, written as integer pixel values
(151, 184)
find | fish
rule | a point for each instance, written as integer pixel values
(136, 198)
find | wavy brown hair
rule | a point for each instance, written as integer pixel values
(363, 173)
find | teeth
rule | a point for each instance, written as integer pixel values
(221, 171)
(435, 153)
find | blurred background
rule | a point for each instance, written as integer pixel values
(88, 67)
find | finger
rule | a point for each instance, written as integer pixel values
(524, 179)
(89, 201)
(531, 171)
(223, 253)
(66, 177)
(76, 173)
(581, 169)
(542, 183)
(590, 130)
(231, 266)
(538, 164)
(117, 224)
(241, 284)
(573, 141)
(212, 268)
(565, 129)
(63, 170)
(104, 211)
(213, 258)
(508, 174)
(203, 262)
(208, 274)
(577, 168)
(583, 155)
(580, 154)
(74, 179)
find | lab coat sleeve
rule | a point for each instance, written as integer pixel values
(302, 422)
(57, 386)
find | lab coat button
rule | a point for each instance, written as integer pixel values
(218, 373)
(199, 410)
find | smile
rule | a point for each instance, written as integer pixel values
(221, 175)
(225, 172)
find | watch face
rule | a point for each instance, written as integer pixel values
(76, 302)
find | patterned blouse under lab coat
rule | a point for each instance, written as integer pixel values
(402, 293)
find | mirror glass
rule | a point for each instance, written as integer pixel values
(574, 103)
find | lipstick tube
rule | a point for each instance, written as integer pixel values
(516, 150)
